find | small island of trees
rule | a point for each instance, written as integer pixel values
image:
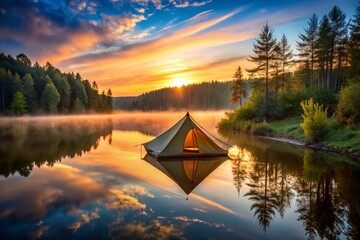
(34, 89)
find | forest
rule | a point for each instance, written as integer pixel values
(213, 95)
(34, 89)
(320, 84)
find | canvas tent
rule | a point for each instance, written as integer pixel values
(185, 139)
(188, 173)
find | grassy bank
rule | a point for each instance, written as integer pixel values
(340, 138)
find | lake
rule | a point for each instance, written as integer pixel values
(85, 177)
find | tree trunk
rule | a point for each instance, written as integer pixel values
(283, 76)
(312, 70)
(266, 87)
(327, 76)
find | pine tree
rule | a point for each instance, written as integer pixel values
(18, 104)
(29, 92)
(238, 88)
(264, 53)
(285, 57)
(354, 45)
(307, 45)
(50, 98)
(276, 65)
(323, 51)
(338, 32)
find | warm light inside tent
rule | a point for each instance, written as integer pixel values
(190, 167)
(190, 144)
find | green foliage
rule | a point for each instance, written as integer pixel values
(79, 106)
(247, 112)
(63, 88)
(23, 59)
(354, 45)
(288, 128)
(306, 47)
(348, 108)
(245, 126)
(315, 122)
(264, 54)
(19, 75)
(29, 92)
(238, 88)
(18, 104)
(261, 129)
(50, 98)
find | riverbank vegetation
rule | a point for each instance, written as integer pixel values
(313, 96)
(31, 88)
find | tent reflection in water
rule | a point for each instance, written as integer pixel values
(188, 173)
(185, 139)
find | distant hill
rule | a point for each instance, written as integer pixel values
(200, 96)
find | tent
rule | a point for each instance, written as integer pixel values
(188, 173)
(185, 139)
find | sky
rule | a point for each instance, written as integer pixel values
(135, 46)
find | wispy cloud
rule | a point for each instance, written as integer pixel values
(133, 46)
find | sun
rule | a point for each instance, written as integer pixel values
(179, 82)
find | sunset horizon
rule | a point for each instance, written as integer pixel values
(137, 46)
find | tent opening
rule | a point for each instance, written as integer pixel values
(190, 144)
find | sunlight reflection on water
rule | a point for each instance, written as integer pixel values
(83, 177)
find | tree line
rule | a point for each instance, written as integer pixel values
(198, 96)
(31, 88)
(327, 62)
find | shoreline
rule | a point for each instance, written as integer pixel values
(316, 146)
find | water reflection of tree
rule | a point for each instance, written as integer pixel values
(25, 144)
(319, 205)
(261, 194)
(239, 167)
(325, 186)
(284, 192)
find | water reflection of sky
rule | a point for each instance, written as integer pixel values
(110, 192)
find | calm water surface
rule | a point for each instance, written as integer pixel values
(83, 178)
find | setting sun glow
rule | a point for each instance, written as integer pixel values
(179, 82)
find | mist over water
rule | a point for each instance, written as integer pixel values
(84, 177)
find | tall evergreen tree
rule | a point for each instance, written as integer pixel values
(50, 98)
(63, 88)
(238, 88)
(29, 92)
(354, 44)
(307, 45)
(109, 96)
(285, 57)
(18, 104)
(16, 85)
(276, 65)
(23, 59)
(338, 32)
(323, 48)
(264, 53)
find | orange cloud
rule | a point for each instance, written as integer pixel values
(151, 63)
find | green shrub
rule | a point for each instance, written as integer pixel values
(247, 112)
(261, 129)
(348, 108)
(315, 123)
